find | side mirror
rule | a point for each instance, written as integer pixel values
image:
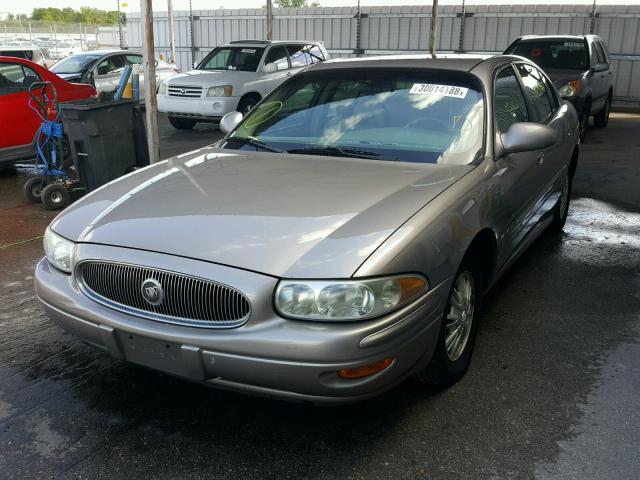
(230, 121)
(527, 136)
(270, 68)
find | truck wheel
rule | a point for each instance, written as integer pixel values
(55, 196)
(602, 118)
(32, 189)
(182, 123)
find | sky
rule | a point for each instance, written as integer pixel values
(26, 6)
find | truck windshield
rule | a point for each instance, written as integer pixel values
(244, 59)
(559, 54)
(421, 116)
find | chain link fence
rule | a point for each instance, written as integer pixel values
(57, 40)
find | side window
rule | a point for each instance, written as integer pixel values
(509, 103)
(111, 65)
(315, 52)
(600, 52)
(134, 59)
(277, 55)
(299, 55)
(535, 91)
(15, 78)
(594, 55)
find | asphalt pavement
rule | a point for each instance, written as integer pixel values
(552, 392)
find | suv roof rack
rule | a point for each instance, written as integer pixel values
(262, 42)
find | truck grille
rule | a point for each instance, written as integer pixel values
(162, 295)
(184, 91)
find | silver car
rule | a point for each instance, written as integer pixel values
(339, 242)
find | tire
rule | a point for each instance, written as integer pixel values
(452, 358)
(182, 123)
(562, 207)
(33, 187)
(247, 103)
(601, 119)
(55, 196)
(584, 122)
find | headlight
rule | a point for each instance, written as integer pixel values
(346, 299)
(162, 89)
(570, 89)
(59, 251)
(220, 91)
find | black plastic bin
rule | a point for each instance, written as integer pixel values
(102, 136)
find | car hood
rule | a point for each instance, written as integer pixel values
(279, 214)
(561, 76)
(209, 78)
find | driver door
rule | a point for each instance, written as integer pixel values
(107, 73)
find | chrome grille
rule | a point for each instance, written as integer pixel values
(187, 300)
(185, 91)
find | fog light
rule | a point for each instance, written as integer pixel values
(217, 106)
(365, 370)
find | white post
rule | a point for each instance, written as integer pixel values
(153, 140)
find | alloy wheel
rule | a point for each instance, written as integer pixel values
(460, 315)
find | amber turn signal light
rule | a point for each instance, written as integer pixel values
(365, 370)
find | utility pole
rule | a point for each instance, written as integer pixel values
(153, 140)
(434, 27)
(172, 38)
(269, 20)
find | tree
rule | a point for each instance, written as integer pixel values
(87, 15)
(295, 3)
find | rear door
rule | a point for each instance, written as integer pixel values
(19, 123)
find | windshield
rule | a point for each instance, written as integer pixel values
(245, 59)
(560, 54)
(74, 64)
(423, 116)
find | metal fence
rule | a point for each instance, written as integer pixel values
(90, 36)
(388, 30)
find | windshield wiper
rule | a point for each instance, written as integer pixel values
(257, 143)
(337, 152)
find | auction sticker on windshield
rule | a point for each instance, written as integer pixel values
(442, 90)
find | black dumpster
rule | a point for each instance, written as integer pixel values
(102, 136)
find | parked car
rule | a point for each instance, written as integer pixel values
(19, 122)
(234, 76)
(338, 243)
(31, 53)
(580, 69)
(103, 68)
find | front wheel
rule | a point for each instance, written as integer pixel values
(602, 118)
(458, 331)
(562, 207)
(247, 104)
(182, 123)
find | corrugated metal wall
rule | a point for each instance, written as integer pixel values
(387, 30)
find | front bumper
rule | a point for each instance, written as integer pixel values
(269, 355)
(207, 109)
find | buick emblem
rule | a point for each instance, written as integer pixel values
(152, 292)
(182, 91)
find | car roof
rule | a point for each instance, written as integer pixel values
(263, 43)
(459, 62)
(14, 48)
(556, 37)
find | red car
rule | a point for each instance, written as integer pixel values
(18, 123)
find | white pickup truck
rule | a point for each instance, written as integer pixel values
(234, 76)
